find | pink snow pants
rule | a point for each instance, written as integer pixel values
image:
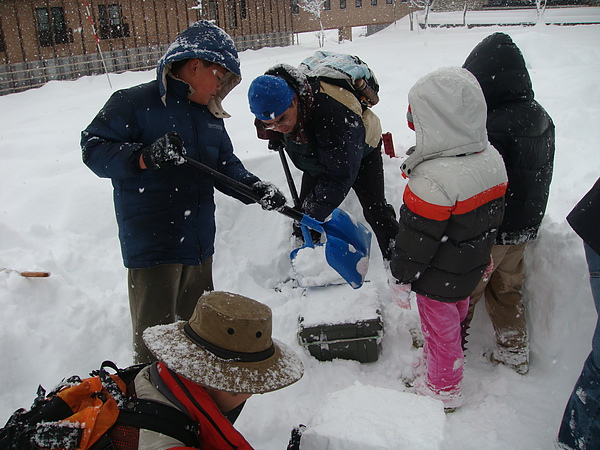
(442, 351)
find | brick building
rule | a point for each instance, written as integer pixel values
(42, 40)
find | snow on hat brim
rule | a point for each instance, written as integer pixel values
(215, 315)
(269, 97)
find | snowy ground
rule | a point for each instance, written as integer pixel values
(56, 215)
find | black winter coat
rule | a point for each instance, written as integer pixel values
(585, 218)
(520, 129)
(454, 199)
(166, 216)
(329, 142)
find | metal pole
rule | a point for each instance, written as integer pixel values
(87, 8)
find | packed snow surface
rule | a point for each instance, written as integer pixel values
(57, 216)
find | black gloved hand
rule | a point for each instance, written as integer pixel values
(166, 151)
(276, 145)
(297, 232)
(270, 197)
(296, 436)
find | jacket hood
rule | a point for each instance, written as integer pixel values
(449, 115)
(210, 43)
(500, 68)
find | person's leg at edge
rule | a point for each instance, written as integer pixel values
(505, 307)
(498, 252)
(195, 281)
(152, 299)
(580, 426)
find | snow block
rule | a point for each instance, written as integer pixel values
(341, 322)
(375, 418)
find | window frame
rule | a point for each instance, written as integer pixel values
(232, 13)
(111, 23)
(44, 26)
(2, 40)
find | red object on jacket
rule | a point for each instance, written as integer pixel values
(216, 432)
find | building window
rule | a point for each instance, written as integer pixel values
(342, 4)
(213, 11)
(232, 11)
(389, 2)
(327, 5)
(2, 41)
(111, 22)
(52, 28)
(295, 7)
(374, 2)
(358, 3)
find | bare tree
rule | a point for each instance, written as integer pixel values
(540, 6)
(314, 7)
(420, 5)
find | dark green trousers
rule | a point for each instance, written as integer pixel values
(164, 294)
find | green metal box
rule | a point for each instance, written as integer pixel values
(359, 341)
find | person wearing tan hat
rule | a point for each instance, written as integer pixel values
(210, 365)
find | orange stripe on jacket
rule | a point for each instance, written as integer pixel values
(443, 212)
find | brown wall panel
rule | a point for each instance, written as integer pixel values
(28, 29)
(10, 26)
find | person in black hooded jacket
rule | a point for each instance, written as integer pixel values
(523, 132)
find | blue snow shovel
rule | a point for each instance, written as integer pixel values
(335, 248)
(348, 243)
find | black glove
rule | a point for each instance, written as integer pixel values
(276, 145)
(270, 197)
(294, 442)
(166, 151)
(297, 232)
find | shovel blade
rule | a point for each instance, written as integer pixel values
(348, 245)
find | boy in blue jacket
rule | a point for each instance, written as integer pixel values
(165, 210)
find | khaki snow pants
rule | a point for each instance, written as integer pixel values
(164, 294)
(504, 302)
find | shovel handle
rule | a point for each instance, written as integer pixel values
(35, 274)
(28, 274)
(239, 187)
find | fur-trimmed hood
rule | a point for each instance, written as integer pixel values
(208, 42)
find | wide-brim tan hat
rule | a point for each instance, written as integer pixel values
(226, 345)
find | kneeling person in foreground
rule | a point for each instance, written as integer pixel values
(212, 364)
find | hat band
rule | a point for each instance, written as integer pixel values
(223, 353)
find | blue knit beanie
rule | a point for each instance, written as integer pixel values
(269, 96)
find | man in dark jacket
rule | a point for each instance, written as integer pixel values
(523, 132)
(165, 210)
(580, 427)
(333, 139)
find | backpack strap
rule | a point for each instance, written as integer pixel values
(160, 418)
(370, 120)
(147, 414)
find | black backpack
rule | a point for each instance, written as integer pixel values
(105, 401)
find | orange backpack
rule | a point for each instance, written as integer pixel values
(78, 414)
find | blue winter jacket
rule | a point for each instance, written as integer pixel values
(166, 215)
